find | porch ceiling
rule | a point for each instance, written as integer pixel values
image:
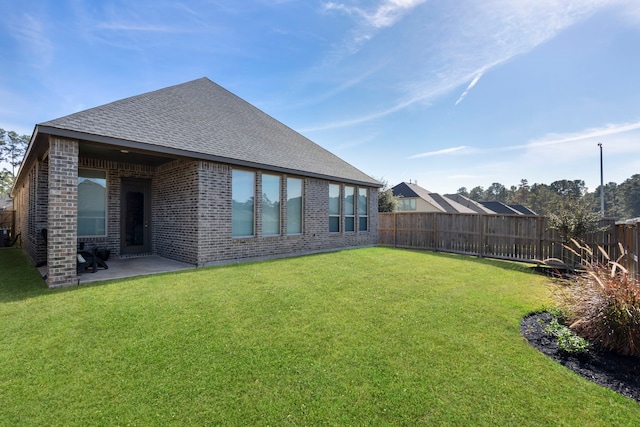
(122, 154)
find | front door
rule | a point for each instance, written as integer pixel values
(135, 216)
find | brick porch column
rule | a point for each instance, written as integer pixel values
(62, 212)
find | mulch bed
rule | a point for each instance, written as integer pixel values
(618, 373)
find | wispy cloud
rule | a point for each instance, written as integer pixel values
(440, 152)
(592, 133)
(444, 53)
(31, 33)
(471, 85)
(369, 21)
(382, 15)
(551, 139)
(147, 28)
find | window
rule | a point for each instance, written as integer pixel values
(242, 195)
(270, 205)
(349, 208)
(92, 202)
(363, 205)
(407, 204)
(294, 206)
(334, 208)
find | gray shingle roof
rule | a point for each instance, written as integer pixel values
(443, 203)
(203, 120)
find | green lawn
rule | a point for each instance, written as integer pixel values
(372, 336)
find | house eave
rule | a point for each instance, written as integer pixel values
(173, 152)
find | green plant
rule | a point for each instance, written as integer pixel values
(603, 302)
(575, 219)
(567, 340)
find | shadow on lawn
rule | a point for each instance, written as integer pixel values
(523, 267)
(19, 279)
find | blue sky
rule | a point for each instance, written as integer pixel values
(446, 93)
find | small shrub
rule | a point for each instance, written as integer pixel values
(567, 340)
(603, 303)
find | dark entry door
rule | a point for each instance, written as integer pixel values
(135, 216)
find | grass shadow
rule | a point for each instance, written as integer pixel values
(19, 278)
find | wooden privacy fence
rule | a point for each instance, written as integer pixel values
(509, 237)
(7, 225)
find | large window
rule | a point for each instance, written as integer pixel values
(270, 205)
(363, 210)
(242, 194)
(92, 202)
(294, 206)
(349, 208)
(334, 208)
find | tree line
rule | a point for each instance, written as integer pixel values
(621, 201)
(12, 149)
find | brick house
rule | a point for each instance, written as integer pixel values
(191, 173)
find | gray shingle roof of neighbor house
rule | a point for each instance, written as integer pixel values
(203, 120)
(523, 210)
(470, 204)
(443, 203)
(500, 208)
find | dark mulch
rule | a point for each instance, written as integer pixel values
(618, 373)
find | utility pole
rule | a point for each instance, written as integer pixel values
(601, 183)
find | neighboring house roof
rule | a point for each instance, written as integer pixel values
(442, 203)
(523, 210)
(500, 208)
(469, 204)
(200, 119)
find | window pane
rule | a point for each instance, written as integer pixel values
(270, 205)
(334, 199)
(362, 201)
(348, 200)
(294, 206)
(362, 210)
(92, 202)
(349, 223)
(334, 208)
(349, 208)
(334, 224)
(242, 194)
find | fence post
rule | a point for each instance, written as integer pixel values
(539, 251)
(395, 229)
(482, 220)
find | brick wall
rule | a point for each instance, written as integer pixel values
(191, 213)
(216, 244)
(175, 211)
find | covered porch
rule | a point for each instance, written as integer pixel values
(121, 268)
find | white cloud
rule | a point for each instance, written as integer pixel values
(32, 34)
(383, 15)
(471, 85)
(440, 55)
(371, 20)
(440, 152)
(593, 133)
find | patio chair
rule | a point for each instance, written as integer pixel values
(85, 259)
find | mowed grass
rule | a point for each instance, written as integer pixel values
(373, 336)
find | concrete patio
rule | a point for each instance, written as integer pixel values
(120, 268)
